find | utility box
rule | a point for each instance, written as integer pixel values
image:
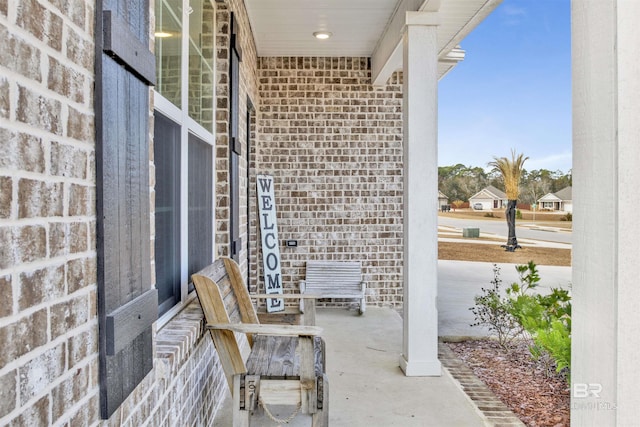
(470, 232)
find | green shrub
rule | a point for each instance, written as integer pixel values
(567, 217)
(489, 215)
(494, 311)
(545, 319)
(518, 214)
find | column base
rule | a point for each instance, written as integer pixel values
(430, 368)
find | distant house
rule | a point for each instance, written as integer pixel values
(442, 199)
(488, 198)
(558, 201)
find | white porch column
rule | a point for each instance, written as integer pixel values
(606, 229)
(420, 105)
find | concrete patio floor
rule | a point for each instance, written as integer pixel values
(367, 387)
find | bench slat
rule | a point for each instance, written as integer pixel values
(271, 357)
(336, 293)
(335, 279)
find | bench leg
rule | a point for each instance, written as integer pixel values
(240, 417)
(363, 305)
(321, 418)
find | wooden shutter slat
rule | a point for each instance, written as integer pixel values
(130, 320)
(122, 44)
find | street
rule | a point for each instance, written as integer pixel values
(524, 229)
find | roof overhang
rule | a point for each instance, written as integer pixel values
(369, 28)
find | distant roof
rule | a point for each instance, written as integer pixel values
(501, 194)
(441, 195)
(564, 194)
(492, 192)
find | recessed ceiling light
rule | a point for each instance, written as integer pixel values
(163, 35)
(322, 35)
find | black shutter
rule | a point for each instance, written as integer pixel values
(235, 148)
(250, 118)
(127, 306)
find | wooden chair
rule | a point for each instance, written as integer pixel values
(285, 365)
(334, 279)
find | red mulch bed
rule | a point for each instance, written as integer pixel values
(537, 398)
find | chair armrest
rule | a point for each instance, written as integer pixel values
(289, 296)
(252, 328)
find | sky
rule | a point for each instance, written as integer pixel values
(513, 89)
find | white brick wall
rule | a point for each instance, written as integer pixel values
(48, 323)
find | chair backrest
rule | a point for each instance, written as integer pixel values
(224, 299)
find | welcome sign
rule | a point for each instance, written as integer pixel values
(269, 239)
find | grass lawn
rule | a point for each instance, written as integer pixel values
(494, 253)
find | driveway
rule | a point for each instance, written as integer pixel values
(460, 281)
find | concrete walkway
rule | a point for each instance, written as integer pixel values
(367, 386)
(460, 281)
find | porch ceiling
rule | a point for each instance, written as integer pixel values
(369, 28)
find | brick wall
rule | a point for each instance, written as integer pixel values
(186, 386)
(48, 322)
(248, 91)
(334, 147)
(222, 189)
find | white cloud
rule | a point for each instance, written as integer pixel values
(512, 10)
(512, 15)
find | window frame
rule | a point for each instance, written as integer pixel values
(187, 126)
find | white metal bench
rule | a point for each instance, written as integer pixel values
(335, 279)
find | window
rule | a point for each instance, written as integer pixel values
(183, 146)
(200, 204)
(167, 212)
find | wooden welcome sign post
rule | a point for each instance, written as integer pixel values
(269, 240)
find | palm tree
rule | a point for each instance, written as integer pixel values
(511, 171)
